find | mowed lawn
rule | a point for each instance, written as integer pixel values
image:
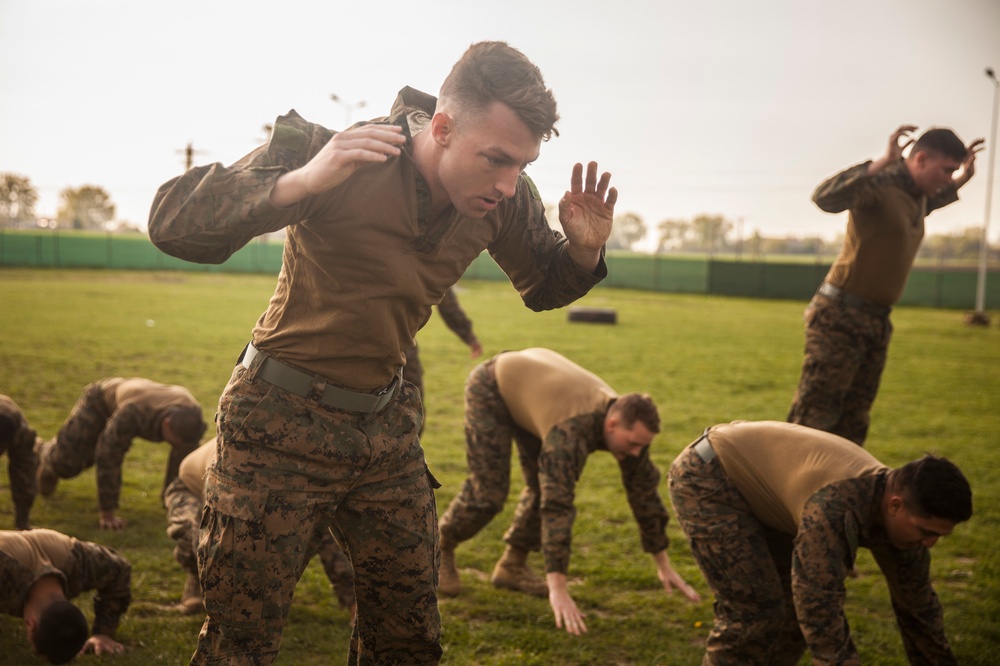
(705, 360)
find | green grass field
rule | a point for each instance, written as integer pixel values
(704, 359)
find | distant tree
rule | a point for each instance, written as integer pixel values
(627, 230)
(774, 245)
(17, 200)
(673, 233)
(87, 207)
(962, 244)
(812, 245)
(711, 231)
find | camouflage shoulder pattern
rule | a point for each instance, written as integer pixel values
(295, 140)
(531, 187)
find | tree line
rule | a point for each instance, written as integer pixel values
(713, 234)
(87, 207)
(90, 207)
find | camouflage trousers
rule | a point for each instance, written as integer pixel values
(72, 451)
(489, 431)
(287, 465)
(183, 517)
(184, 509)
(747, 566)
(845, 354)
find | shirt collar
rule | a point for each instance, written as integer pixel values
(899, 175)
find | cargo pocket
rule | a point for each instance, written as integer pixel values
(232, 553)
(737, 565)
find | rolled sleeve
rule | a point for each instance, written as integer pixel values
(109, 454)
(641, 479)
(536, 257)
(210, 212)
(916, 605)
(97, 567)
(824, 552)
(842, 191)
(563, 456)
(22, 467)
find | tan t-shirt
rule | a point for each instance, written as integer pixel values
(195, 465)
(778, 466)
(542, 388)
(38, 549)
(885, 226)
(152, 396)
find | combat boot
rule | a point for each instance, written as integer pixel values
(191, 601)
(513, 573)
(449, 584)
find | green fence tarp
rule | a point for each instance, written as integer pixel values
(941, 287)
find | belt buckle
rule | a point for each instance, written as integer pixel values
(391, 385)
(703, 449)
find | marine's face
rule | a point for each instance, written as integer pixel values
(932, 172)
(626, 442)
(907, 529)
(484, 153)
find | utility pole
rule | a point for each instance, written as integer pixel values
(348, 108)
(979, 316)
(189, 152)
(739, 237)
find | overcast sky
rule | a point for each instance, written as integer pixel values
(736, 107)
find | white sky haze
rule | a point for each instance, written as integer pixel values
(716, 106)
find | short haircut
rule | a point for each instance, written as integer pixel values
(61, 632)
(935, 488)
(186, 422)
(633, 407)
(940, 141)
(8, 426)
(496, 72)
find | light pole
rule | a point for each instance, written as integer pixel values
(979, 316)
(348, 108)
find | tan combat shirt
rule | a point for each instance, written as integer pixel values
(825, 492)
(362, 264)
(136, 407)
(542, 389)
(885, 226)
(777, 474)
(195, 465)
(25, 557)
(564, 406)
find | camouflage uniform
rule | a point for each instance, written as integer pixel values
(183, 517)
(777, 590)
(184, 509)
(22, 462)
(847, 329)
(543, 519)
(361, 269)
(845, 354)
(81, 565)
(100, 429)
(373, 486)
